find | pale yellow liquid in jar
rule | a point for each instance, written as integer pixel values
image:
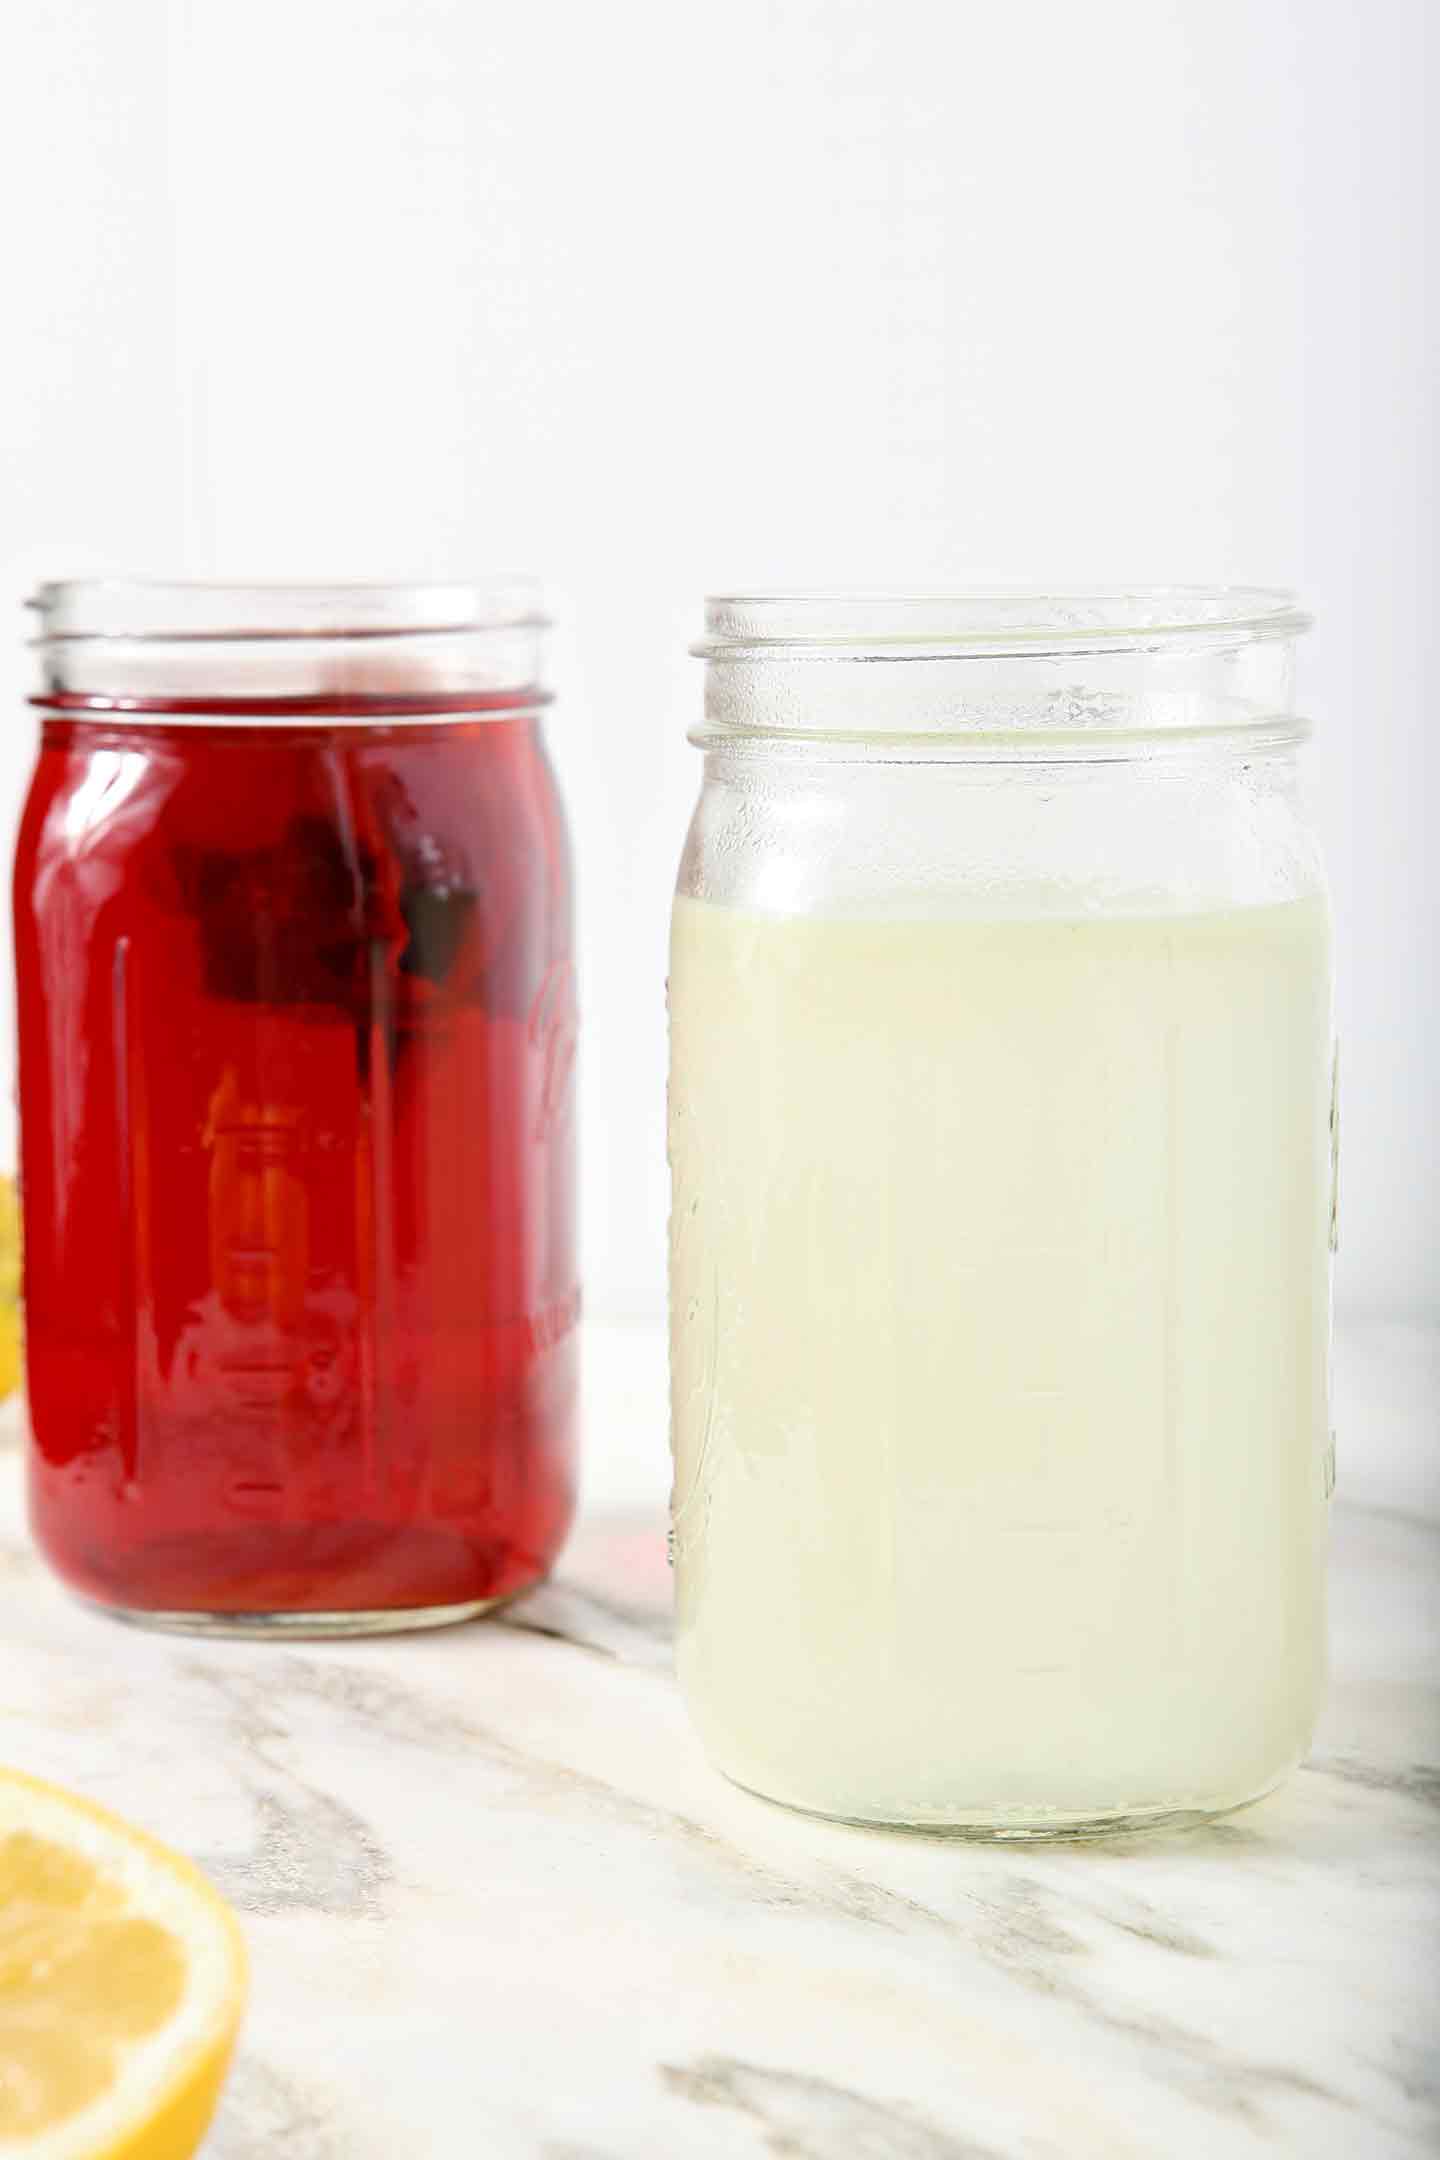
(1000, 1313)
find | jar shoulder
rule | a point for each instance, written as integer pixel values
(793, 837)
(113, 810)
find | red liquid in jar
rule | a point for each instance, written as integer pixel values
(296, 1032)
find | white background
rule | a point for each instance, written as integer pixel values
(655, 297)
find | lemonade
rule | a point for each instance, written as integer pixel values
(1000, 1302)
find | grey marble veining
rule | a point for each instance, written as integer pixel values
(498, 1905)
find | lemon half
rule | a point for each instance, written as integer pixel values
(9, 1288)
(122, 1980)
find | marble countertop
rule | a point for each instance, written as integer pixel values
(499, 1906)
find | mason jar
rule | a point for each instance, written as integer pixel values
(1001, 1142)
(296, 1023)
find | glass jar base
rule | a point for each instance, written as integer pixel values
(300, 1626)
(1054, 1828)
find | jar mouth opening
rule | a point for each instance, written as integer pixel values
(994, 621)
(173, 609)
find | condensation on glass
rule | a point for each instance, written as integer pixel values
(1000, 1132)
(297, 1021)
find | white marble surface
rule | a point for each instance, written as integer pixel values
(498, 1905)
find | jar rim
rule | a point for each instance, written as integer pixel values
(167, 609)
(271, 653)
(994, 620)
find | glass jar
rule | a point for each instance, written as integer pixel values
(296, 1005)
(1000, 1135)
